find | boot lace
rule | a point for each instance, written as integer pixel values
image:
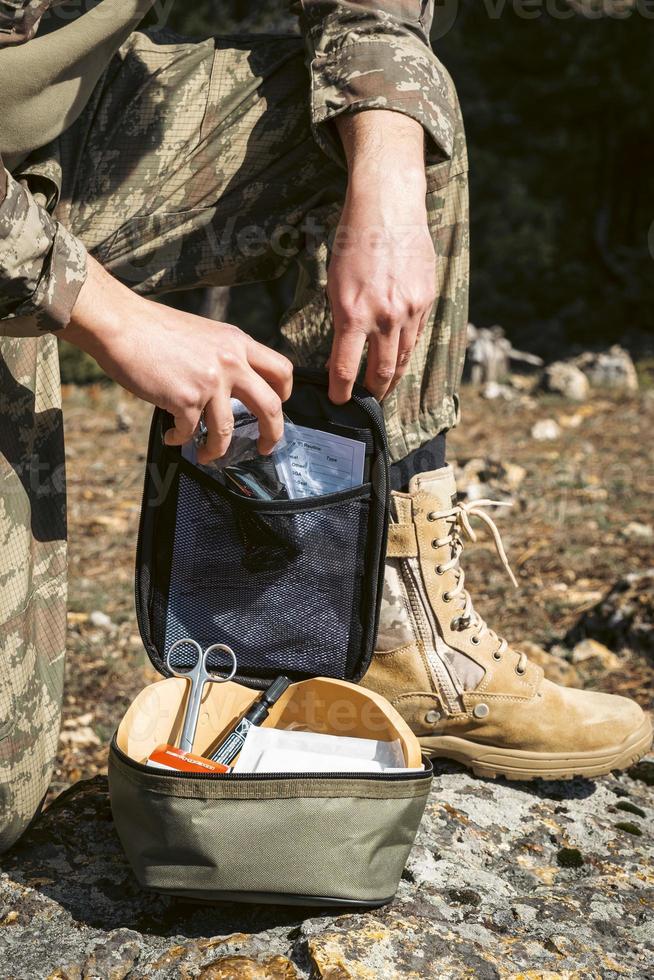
(458, 519)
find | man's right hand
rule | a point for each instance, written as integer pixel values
(183, 363)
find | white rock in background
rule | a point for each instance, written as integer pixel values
(81, 720)
(635, 531)
(565, 379)
(595, 655)
(490, 354)
(101, 621)
(482, 477)
(513, 475)
(613, 368)
(475, 491)
(493, 390)
(571, 421)
(81, 737)
(545, 429)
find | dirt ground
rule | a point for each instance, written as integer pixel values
(567, 538)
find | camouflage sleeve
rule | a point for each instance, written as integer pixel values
(375, 54)
(42, 266)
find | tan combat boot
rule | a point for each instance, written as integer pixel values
(464, 691)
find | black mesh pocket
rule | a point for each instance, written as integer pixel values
(281, 583)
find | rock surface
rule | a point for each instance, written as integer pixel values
(612, 368)
(486, 476)
(595, 657)
(563, 378)
(506, 880)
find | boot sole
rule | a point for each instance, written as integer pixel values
(491, 761)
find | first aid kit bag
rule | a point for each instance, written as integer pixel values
(292, 586)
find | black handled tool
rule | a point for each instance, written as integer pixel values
(232, 744)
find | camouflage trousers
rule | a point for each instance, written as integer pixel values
(194, 163)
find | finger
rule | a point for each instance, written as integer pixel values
(382, 361)
(219, 420)
(344, 361)
(257, 395)
(408, 339)
(186, 422)
(273, 367)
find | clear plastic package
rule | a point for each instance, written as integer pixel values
(304, 463)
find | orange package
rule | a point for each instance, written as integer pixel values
(171, 758)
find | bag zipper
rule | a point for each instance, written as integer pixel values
(427, 631)
(263, 776)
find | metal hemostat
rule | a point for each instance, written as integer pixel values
(198, 676)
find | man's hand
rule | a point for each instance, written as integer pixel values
(183, 363)
(381, 279)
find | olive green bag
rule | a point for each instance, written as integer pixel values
(293, 586)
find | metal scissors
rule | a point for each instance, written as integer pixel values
(198, 675)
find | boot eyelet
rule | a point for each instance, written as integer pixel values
(497, 656)
(431, 516)
(447, 597)
(520, 672)
(434, 543)
(475, 639)
(439, 569)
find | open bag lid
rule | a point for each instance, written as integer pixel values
(292, 586)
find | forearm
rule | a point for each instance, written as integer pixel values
(381, 273)
(385, 154)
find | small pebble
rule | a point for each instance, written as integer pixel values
(545, 429)
(100, 620)
(635, 531)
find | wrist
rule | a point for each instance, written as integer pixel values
(386, 200)
(389, 187)
(98, 311)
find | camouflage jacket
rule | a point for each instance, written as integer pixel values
(362, 54)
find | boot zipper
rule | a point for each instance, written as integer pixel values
(428, 633)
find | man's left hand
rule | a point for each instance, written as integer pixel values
(381, 279)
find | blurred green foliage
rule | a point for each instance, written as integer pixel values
(559, 110)
(559, 114)
(77, 367)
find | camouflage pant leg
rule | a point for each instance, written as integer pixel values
(195, 163)
(32, 576)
